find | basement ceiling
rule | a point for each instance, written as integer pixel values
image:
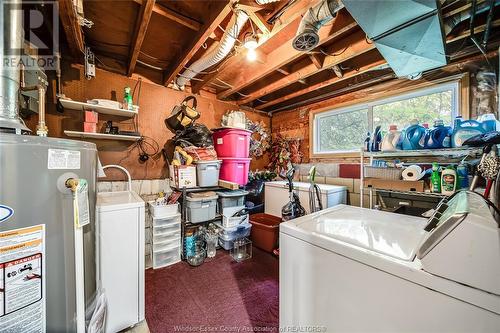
(159, 39)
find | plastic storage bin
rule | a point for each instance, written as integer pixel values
(168, 228)
(235, 170)
(207, 173)
(265, 231)
(232, 142)
(230, 222)
(159, 211)
(201, 209)
(228, 235)
(167, 257)
(230, 199)
(166, 237)
(166, 221)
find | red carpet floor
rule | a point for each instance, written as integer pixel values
(218, 296)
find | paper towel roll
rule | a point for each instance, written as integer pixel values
(413, 173)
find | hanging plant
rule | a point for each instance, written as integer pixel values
(260, 139)
(280, 160)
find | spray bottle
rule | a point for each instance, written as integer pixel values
(435, 179)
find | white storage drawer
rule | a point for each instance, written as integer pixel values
(167, 229)
(158, 247)
(167, 220)
(166, 237)
(166, 257)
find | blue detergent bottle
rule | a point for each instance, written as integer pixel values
(439, 136)
(465, 129)
(413, 136)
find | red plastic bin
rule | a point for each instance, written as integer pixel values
(235, 170)
(265, 231)
(232, 142)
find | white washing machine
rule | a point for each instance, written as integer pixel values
(348, 269)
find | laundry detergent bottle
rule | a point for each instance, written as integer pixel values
(465, 129)
(391, 139)
(439, 136)
(449, 180)
(413, 136)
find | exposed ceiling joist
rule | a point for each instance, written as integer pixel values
(143, 19)
(290, 16)
(286, 54)
(335, 79)
(220, 10)
(174, 16)
(72, 29)
(346, 48)
(317, 59)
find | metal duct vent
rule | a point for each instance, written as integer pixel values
(307, 35)
(408, 33)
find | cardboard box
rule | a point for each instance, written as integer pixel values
(89, 127)
(183, 176)
(396, 185)
(91, 116)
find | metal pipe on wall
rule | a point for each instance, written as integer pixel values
(11, 42)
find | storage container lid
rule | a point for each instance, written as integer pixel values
(202, 198)
(231, 129)
(233, 229)
(231, 194)
(303, 186)
(208, 162)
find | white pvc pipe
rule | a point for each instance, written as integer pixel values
(122, 169)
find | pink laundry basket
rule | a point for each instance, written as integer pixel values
(232, 142)
(235, 170)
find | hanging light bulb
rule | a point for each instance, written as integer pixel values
(251, 55)
(250, 42)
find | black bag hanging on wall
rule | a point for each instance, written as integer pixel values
(182, 115)
(197, 134)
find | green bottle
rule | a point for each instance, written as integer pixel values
(435, 179)
(127, 99)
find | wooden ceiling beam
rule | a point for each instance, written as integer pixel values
(335, 79)
(72, 29)
(290, 16)
(345, 49)
(219, 12)
(141, 28)
(286, 54)
(174, 16)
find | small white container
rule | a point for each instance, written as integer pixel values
(159, 211)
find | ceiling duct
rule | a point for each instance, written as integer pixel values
(307, 36)
(11, 42)
(216, 55)
(265, 2)
(408, 33)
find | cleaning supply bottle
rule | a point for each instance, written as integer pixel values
(465, 129)
(488, 122)
(435, 179)
(449, 180)
(377, 139)
(391, 139)
(463, 176)
(439, 136)
(412, 136)
(366, 145)
(127, 99)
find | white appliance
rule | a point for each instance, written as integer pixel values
(120, 266)
(276, 195)
(353, 269)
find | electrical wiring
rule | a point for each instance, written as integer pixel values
(223, 82)
(334, 54)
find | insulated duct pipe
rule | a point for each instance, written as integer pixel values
(307, 36)
(11, 43)
(265, 2)
(215, 56)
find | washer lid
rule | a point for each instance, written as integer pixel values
(395, 235)
(108, 201)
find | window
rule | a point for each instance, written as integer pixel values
(345, 129)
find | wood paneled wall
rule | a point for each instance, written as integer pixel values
(155, 102)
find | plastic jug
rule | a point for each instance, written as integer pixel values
(488, 122)
(413, 136)
(391, 139)
(439, 136)
(376, 140)
(465, 129)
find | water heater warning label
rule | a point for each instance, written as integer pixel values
(22, 294)
(63, 159)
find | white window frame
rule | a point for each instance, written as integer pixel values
(454, 86)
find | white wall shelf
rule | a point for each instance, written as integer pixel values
(99, 136)
(81, 106)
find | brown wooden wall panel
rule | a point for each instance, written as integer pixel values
(155, 102)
